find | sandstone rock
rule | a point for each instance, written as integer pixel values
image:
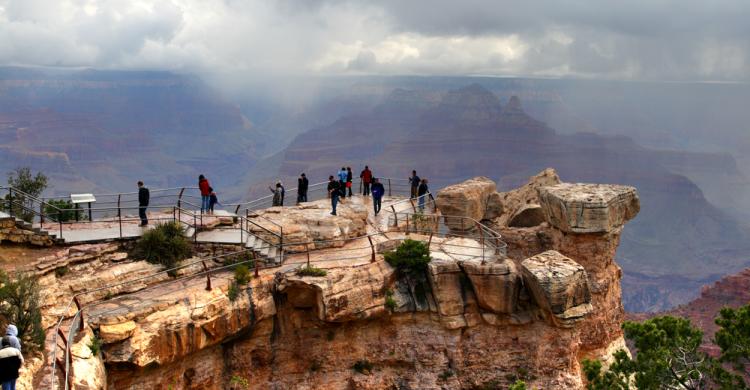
(495, 206)
(589, 208)
(496, 284)
(445, 279)
(559, 286)
(516, 200)
(527, 216)
(467, 199)
(110, 333)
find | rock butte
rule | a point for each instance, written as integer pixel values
(466, 322)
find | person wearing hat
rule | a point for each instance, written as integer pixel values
(11, 361)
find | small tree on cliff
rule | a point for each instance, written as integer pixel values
(669, 356)
(33, 185)
(411, 256)
(19, 305)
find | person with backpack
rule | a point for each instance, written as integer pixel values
(11, 361)
(203, 186)
(302, 184)
(366, 176)
(333, 193)
(143, 199)
(377, 195)
(422, 192)
(349, 178)
(342, 182)
(213, 200)
(278, 194)
(414, 181)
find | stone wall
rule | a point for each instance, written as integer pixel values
(10, 231)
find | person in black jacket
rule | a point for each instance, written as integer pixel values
(11, 361)
(302, 184)
(143, 197)
(377, 195)
(422, 193)
(334, 190)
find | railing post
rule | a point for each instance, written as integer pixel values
(119, 220)
(372, 248)
(119, 211)
(10, 202)
(407, 224)
(208, 276)
(389, 187)
(91, 219)
(395, 216)
(179, 197)
(237, 209)
(80, 310)
(255, 263)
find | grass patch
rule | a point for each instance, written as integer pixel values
(95, 345)
(61, 271)
(234, 291)
(311, 271)
(390, 302)
(447, 373)
(242, 274)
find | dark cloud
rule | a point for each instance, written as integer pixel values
(638, 39)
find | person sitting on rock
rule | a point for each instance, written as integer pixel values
(377, 195)
(11, 361)
(333, 193)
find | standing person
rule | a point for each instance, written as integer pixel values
(333, 193)
(302, 184)
(349, 178)
(205, 192)
(213, 200)
(11, 361)
(342, 182)
(422, 193)
(278, 197)
(143, 198)
(11, 332)
(377, 195)
(414, 181)
(366, 176)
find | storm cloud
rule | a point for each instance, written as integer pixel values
(689, 40)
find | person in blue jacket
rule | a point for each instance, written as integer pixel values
(377, 194)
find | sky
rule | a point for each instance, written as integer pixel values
(671, 40)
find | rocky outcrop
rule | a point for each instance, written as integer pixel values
(497, 284)
(20, 232)
(516, 202)
(559, 286)
(467, 199)
(589, 208)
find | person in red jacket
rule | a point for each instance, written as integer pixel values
(366, 177)
(205, 192)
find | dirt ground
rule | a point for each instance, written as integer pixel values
(14, 257)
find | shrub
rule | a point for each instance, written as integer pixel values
(242, 274)
(95, 345)
(234, 291)
(411, 256)
(390, 302)
(446, 374)
(311, 271)
(22, 180)
(166, 244)
(362, 366)
(239, 382)
(61, 210)
(19, 305)
(61, 271)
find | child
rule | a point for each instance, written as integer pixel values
(213, 200)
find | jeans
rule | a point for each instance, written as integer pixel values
(302, 197)
(334, 202)
(204, 202)
(9, 385)
(142, 214)
(376, 203)
(342, 188)
(421, 201)
(366, 189)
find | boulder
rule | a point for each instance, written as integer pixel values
(496, 284)
(515, 201)
(110, 333)
(529, 215)
(559, 286)
(468, 199)
(589, 208)
(445, 279)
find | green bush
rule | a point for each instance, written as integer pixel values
(446, 374)
(95, 345)
(22, 180)
(61, 271)
(19, 305)
(166, 244)
(411, 256)
(390, 302)
(311, 271)
(61, 210)
(362, 366)
(234, 291)
(242, 274)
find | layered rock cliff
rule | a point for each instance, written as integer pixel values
(471, 320)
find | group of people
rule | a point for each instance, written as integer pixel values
(419, 188)
(208, 199)
(11, 358)
(370, 186)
